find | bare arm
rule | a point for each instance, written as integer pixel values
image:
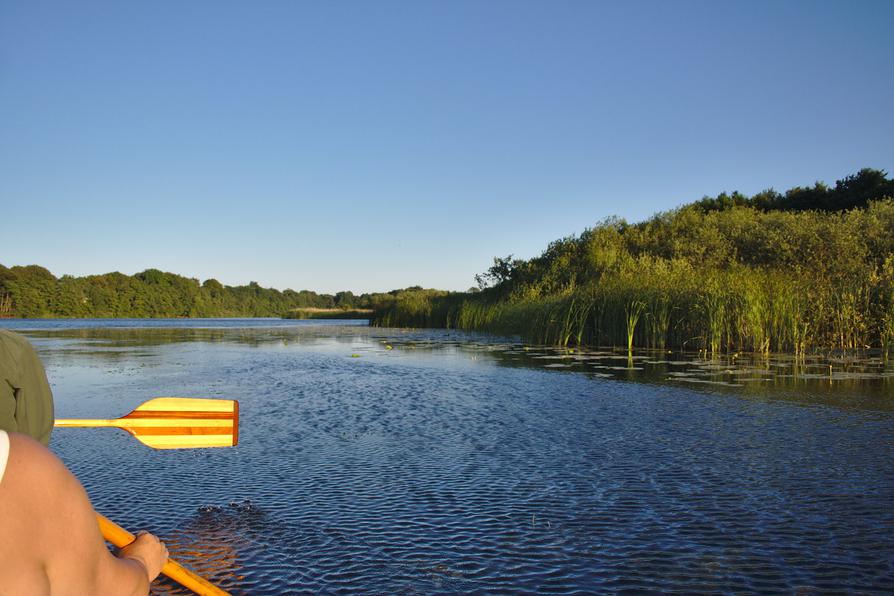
(48, 519)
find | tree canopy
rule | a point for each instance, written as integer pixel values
(33, 292)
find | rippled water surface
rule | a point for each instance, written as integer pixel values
(387, 461)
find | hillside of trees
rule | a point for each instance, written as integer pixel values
(34, 292)
(812, 268)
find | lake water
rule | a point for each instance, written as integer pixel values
(392, 461)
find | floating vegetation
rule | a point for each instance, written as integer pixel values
(737, 373)
(706, 382)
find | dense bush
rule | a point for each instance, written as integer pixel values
(732, 273)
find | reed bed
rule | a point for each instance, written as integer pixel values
(329, 313)
(5, 305)
(668, 305)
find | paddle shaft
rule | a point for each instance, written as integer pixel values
(174, 570)
(84, 422)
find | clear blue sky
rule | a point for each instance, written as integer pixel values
(376, 145)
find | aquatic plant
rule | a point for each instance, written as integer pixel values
(713, 302)
(634, 311)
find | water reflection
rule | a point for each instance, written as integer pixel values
(211, 541)
(843, 381)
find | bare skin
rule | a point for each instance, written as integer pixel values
(50, 542)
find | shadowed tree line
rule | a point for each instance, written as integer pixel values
(34, 292)
(811, 268)
(855, 191)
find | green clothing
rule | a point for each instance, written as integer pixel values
(26, 402)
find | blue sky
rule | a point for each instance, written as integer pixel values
(376, 145)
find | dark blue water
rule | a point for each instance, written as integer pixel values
(385, 461)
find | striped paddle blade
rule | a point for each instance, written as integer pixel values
(177, 423)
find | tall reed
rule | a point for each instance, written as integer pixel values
(634, 311)
(713, 308)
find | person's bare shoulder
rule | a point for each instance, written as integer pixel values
(33, 468)
(31, 478)
(50, 530)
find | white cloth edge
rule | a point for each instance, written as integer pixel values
(4, 452)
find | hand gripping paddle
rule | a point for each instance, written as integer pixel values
(186, 578)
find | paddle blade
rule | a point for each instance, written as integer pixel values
(184, 423)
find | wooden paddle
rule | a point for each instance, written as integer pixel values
(176, 423)
(172, 423)
(183, 576)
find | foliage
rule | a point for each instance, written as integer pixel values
(34, 292)
(813, 268)
(414, 307)
(851, 192)
(501, 271)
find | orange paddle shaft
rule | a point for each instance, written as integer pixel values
(183, 576)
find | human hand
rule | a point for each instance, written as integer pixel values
(147, 550)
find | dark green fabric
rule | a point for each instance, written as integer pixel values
(26, 402)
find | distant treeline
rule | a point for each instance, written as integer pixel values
(811, 268)
(808, 269)
(34, 292)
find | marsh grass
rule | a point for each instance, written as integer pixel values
(712, 302)
(5, 305)
(722, 282)
(884, 302)
(735, 311)
(329, 313)
(658, 316)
